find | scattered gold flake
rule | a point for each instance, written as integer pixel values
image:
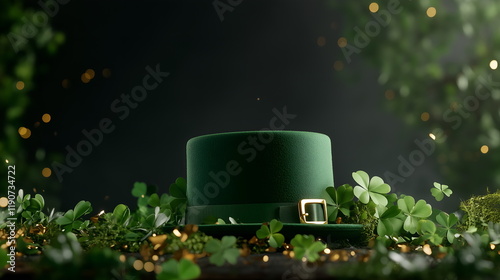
(335, 257)
(373, 7)
(190, 229)
(138, 265)
(424, 116)
(4, 202)
(492, 246)
(46, 172)
(158, 239)
(177, 233)
(327, 251)
(427, 249)
(184, 237)
(38, 229)
(291, 254)
(123, 258)
(432, 136)
(90, 73)
(155, 258)
(46, 118)
(149, 266)
(24, 132)
(265, 258)
(493, 64)
(20, 85)
(342, 42)
(484, 149)
(431, 12)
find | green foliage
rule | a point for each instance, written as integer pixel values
(428, 232)
(373, 189)
(448, 223)
(390, 220)
(306, 246)
(179, 270)
(222, 250)
(439, 191)
(270, 232)
(340, 199)
(413, 212)
(71, 219)
(480, 210)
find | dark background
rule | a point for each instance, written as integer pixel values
(224, 76)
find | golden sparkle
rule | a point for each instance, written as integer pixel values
(24, 132)
(138, 265)
(373, 7)
(4, 202)
(425, 116)
(484, 149)
(46, 118)
(427, 249)
(90, 73)
(342, 42)
(149, 266)
(265, 258)
(431, 12)
(46, 172)
(432, 136)
(493, 64)
(20, 85)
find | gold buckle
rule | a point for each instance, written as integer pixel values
(303, 214)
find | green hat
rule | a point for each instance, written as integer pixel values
(257, 176)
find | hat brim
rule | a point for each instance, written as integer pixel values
(328, 232)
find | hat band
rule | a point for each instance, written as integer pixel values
(252, 213)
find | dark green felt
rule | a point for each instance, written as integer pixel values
(293, 165)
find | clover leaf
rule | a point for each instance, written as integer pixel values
(222, 250)
(179, 270)
(179, 188)
(373, 189)
(70, 219)
(447, 221)
(275, 239)
(305, 246)
(428, 231)
(389, 223)
(121, 214)
(414, 212)
(340, 199)
(439, 191)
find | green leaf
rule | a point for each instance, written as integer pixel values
(421, 209)
(139, 189)
(121, 213)
(427, 227)
(276, 240)
(179, 188)
(82, 208)
(221, 221)
(439, 191)
(222, 250)
(305, 246)
(275, 226)
(263, 232)
(179, 270)
(373, 189)
(154, 200)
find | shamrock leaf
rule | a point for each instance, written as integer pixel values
(373, 189)
(275, 239)
(340, 199)
(121, 214)
(447, 221)
(428, 231)
(414, 212)
(179, 188)
(222, 250)
(439, 191)
(179, 270)
(389, 223)
(305, 246)
(139, 189)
